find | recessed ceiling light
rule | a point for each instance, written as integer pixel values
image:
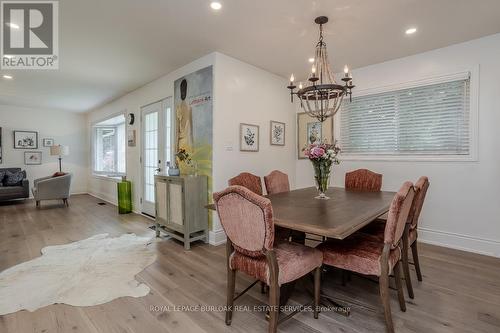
(411, 31)
(13, 25)
(311, 60)
(216, 5)
(8, 77)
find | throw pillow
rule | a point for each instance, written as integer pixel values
(58, 174)
(13, 178)
(2, 175)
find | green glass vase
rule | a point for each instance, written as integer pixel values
(124, 197)
(322, 170)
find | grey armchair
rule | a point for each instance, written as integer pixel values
(52, 188)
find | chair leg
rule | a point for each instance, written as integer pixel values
(231, 281)
(406, 271)
(386, 302)
(65, 202)
(317, 290)
(274, 305)
(38, 203)
(263, 287)
(399, 286)
(414, 251)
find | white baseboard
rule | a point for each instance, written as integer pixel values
(216, 237)
(456, 241)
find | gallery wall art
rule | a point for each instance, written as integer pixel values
(48, 142)
(277, 133)
(25, 140)
(249, 137)
(33, 158)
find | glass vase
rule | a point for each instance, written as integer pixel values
(322, 170)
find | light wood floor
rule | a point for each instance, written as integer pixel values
(460, 291)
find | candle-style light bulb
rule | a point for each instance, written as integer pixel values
(346, 71)
(292, 78)
(300, 85)
(313, 70)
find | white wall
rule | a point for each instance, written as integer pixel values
(247, 94)
(65, 128)
(461, 209)
(242, 93)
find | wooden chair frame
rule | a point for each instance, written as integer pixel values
(274, 290)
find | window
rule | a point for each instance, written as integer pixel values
(427, 120)
(109, 147)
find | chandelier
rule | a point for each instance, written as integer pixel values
(322, 96)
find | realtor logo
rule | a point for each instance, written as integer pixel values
(30, 35)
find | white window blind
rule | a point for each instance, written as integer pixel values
(432, 119)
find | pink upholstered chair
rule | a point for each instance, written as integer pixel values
(366, 254)
(363, 180)
(246, 179)
(247, 219)
(276, 182)
(410, 235)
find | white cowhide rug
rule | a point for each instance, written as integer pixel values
(88, 272)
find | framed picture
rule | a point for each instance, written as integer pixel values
(310, 130)
(33, 158)
(48, 142)
(249, 137)
(131, 138)
(25, 140)
(277, 133)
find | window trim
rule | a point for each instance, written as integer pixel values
(104, 174)
(473, 75)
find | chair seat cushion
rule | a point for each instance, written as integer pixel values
(359, 253)
(294, 261)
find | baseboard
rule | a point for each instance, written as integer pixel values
(456, 241)
(216, 237)
(103, 198)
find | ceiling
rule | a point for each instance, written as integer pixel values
(111, 47)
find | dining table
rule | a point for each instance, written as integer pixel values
(338, 217)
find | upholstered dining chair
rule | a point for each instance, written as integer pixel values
(368, 255)
(410, 234)
(248, 180)
(276, 182)
(247, 220)
(363, 180)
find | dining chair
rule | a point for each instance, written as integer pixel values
(248, 180)
(363, 180)
(368, 255)
(410, 234)
(276, 182)
(247, 220)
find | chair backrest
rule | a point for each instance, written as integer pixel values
(399, 214)
(246, 179)
(276, 182)
(363, 180)
(421, 187)
(247, 219)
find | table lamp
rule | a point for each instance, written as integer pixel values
(60, 151)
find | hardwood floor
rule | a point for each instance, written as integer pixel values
(460, 291)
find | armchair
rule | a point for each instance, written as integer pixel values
(52, 188)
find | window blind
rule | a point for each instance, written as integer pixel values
(432, 119)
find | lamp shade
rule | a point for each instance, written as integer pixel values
(59, 150)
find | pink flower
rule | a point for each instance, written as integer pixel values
(317, 152)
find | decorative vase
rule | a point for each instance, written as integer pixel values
(322, 170)
(124, 196)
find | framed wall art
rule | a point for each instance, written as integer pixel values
(48, 142)
(33, 158)
(249, 137)
(25, 140)
(310, 131)
(277, 133)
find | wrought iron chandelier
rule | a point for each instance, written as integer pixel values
(322, 96)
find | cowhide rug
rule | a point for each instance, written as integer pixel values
(88, 272)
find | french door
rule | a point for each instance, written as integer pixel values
(156, 148)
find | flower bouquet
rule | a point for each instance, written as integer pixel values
(322, 157)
